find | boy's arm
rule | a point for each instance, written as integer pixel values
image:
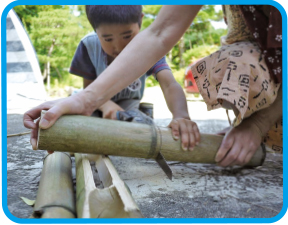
(181, 125)
(109, 108)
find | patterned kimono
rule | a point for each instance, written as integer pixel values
(245, 73)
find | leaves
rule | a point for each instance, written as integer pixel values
(28, 201)
(199, 40)
(56, 30)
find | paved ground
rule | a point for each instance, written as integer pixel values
(196, 191)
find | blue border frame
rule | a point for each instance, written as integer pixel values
(145, 220)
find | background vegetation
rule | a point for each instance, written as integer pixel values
(56, 30)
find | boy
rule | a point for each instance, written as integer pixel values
(115, 27)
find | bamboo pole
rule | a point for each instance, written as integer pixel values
(85, 134)
(55, 196)
(18, 134)
(114, 201)
(84, 185)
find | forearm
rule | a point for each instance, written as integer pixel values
(108, 104)
(267, 117)
(153, 43)
(176, 100)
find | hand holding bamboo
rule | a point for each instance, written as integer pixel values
(83, 134)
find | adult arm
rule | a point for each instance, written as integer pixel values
(109, 108)
(153, 43)
(240, 143)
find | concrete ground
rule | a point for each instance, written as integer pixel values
(196, 191)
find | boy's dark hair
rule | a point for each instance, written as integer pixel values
(117, 14)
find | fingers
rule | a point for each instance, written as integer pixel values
(185, 137)
(248, 158)
(225, 147)
(30, 116)
(232, 157)
(49, 119)
(238, 146)
(34, 136)
(174, 125)
(188, 130)
(52, 115)
(33, 139)
(196, 133)
(247, 153)
(33, 114)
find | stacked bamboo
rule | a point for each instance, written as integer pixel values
(81, 134)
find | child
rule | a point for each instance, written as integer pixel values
(115, 27)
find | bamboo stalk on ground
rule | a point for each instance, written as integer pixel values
(55, 196)
(114, 201)
(85, 134)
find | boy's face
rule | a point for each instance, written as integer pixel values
(114, 37)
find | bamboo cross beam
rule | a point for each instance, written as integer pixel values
(83, 134)
(113, 201)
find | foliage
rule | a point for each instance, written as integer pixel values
(56, 30)
(199, 52)
(150, 13)
(55, 35)
(200, 33)
(179, 76)
(27, 12)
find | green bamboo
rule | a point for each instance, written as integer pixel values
(55, 196)
(113, 201)
(85, 134)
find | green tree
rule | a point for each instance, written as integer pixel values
(200, 33)
(150, 13)
(55, 35)
(27, 12)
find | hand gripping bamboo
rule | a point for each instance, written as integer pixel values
(83, 134)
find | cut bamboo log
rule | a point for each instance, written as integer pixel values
(55, 196)
(84, 185)
(85, 134)
(114, 201)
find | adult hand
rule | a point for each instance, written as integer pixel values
(187, 130)
(239, 144)
(71, 105)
